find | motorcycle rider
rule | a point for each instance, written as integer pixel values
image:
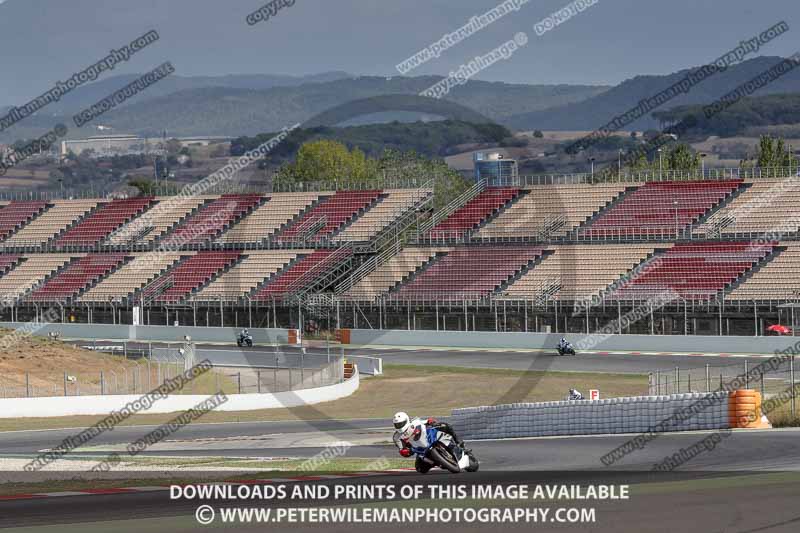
(574, 395)
(563, 345)
(405, 428)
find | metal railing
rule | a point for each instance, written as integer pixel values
(656, 175)
(132, 371)
(708, 378)
(452, 207)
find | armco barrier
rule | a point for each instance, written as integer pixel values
(534, 341)
(154, 333)
(103, 405)
(592, 417)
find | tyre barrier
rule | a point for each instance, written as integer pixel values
(640, 414)
(744, 410)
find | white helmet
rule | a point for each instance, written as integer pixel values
(401, 422)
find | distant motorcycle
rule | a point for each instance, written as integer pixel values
(566, 350)
(244, 340)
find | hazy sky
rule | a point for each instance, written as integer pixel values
(47, 40)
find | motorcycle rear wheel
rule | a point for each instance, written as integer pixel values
(442, 457)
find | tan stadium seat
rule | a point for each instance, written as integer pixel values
(577, 272)
(769, 205)
(392, 272)
(548, 205)
(270, 217)
(255, 268)
(136, 274)
(777, 280)
(62, 214)
(153, 223)
(395, 203)
(30, 273)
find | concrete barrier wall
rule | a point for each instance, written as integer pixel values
(644, 343)
(104, 405)
(152, 333)
(593, 417)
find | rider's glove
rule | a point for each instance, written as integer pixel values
(431, 420)
(405, 452)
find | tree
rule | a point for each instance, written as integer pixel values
(682, 157)
(145, 185)
(773, 153)
(327, 161)
(538, 134)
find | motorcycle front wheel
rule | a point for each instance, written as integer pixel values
(474, 464)
(442, 457)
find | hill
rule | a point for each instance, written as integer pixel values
(595, 112)
(91, 93)
(748, 116)
(244, 111)
(431, 139)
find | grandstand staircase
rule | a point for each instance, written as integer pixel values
(324, 274)
(127, 259)
(25, 222)
(161, 284)
(275, 275)
(551, 226)
(609, 289)
(381, 197)
(233, 222)
(275, 235)
(152, 289)
(307, 230)
(8, 266)
(714, 231)
(191, 218)
(451, 208)
(141, 233)
(132, 239)
(573, 235)
(400, 229)
(218, 274)
(752, 271)
(387, 243)
(524, 270)
(469, 233)
(179, 222)
(148, 294)
(80, 291)
(134, 296)
(317, 306)
(417, 271)
(50, 244)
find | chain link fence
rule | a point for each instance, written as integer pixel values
(137, 368)
(118, 375)
(708, 378)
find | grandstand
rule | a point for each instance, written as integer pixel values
(726, 246)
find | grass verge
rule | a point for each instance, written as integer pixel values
(238, 469)
(423, 390)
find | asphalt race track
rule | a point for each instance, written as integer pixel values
(741, 454)
(776, 450)
(630, 362)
